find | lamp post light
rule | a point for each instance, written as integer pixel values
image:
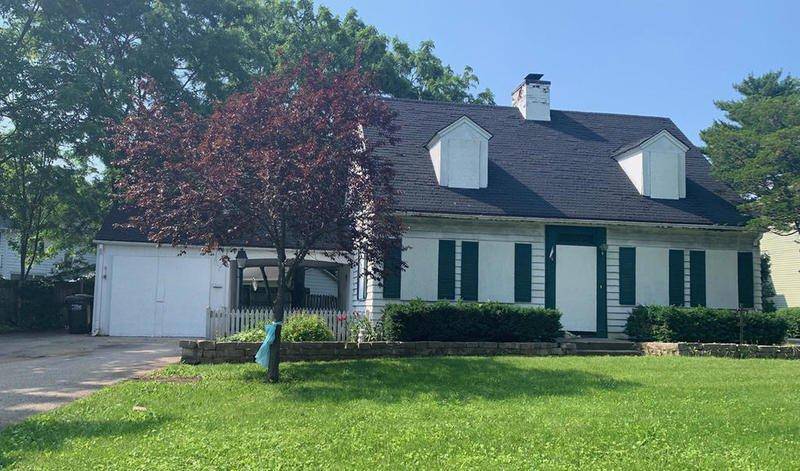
(241, 263)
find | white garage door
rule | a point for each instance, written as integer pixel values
(159, 296)
(133, 293)
(184, 285)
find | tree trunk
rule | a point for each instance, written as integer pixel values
(273, 373)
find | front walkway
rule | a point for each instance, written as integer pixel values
(42, 371)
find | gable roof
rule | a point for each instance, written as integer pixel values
(464, 120)
(643, 142)
(561, 169)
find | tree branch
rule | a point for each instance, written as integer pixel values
(26, 28)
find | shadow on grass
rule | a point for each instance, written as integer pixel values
(50, 435)
(443, 379)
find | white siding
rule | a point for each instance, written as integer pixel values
(671, 238)
(496, 241)
(422, 282)
(784, 252)
(632, 165)
(666, 169)
(319, 282)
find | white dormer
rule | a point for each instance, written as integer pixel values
(657, 166)
(460, 155)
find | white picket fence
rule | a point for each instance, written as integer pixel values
(224, 322)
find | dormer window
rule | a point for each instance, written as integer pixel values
(460, 155)
(656, 166)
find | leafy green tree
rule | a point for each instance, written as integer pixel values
(46, 200)
(69, 69)
(83, 58)
(756, 149)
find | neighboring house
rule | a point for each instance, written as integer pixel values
(9, 258)
(784, 254)
(590, 213)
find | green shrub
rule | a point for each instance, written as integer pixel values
(646, 323)
(792, 317)
(306, 328)
(701, 324)
(364, 329)
(255, 334)
(299, 328)
(469, 322)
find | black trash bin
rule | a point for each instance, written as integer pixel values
(79, 313)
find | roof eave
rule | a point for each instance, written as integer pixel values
(484, 217)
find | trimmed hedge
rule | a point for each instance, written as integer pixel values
(792, 316)
(469, 322)
(701, 324)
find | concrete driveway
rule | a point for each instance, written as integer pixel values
(42, 371)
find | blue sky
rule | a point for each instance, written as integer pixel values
(663, 58)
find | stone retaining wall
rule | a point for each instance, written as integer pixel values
(727, 350)
(208, 351)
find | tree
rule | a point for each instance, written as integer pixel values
(83, 58)
(291, 164)
(67, 67)
(45, 199)
(756, 149)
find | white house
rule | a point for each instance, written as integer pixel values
(10, 259)
(784, 253)
(590, 213)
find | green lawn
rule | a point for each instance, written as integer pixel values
(506, 412)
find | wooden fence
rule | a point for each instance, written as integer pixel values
(224, 322)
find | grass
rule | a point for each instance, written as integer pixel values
(441, 413)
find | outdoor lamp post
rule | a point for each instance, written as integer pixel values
(241, 263)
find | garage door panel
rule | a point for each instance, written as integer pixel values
(184, 285)
(133, 291)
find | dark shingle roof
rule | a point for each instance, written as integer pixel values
(559, 169)
(562, 169)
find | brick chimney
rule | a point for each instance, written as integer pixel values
(532, 98)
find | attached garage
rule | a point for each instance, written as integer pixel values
(150, 291)
(144, 290)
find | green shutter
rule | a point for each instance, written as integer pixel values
(697, 278)
(393, 271)
(469, 271)
(627, 275)
(522, 273)
(447, 269)
(676, 278)
(746, 280)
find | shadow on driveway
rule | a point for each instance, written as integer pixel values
(42, 371)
